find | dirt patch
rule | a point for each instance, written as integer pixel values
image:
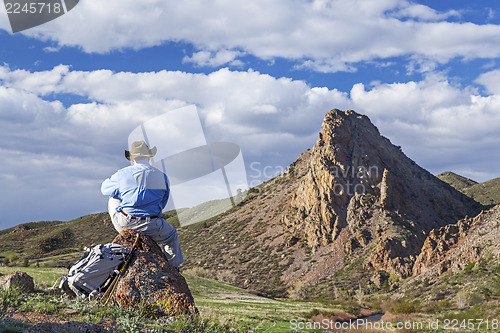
(34, 318)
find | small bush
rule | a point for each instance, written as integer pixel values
(129, 323)
(436, 306)
(299, 291)
(393, 282)
(464, 299)
(195, 324)
(11, 298)
(26, 262)
(226, 276)
(5, 300)
(474, 312)
(495, 286)
(200, 272)
(403, 307)
(11, 259)
(469, 267)
(315, 312)
(41, 304)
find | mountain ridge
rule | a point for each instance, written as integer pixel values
(297, 227)
(291, 218)
(486, 193)
(455, 180)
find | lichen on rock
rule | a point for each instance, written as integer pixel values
(151, 284)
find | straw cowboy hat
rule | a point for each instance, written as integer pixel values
(139, 149)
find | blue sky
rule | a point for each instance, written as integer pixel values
(262, 75)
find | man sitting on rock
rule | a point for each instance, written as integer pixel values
(138, 193)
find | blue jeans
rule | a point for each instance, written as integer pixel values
(158, 229)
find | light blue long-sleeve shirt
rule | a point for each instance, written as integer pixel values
(143, 189)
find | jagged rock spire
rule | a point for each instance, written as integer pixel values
(362, 186)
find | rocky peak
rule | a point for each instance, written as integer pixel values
(353, 203)
(359, 185)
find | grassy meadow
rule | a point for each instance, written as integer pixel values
(226, 308)
(222, 307)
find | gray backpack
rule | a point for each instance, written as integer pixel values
(93, 272)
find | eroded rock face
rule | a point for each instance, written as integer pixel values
(17, 279)
(438, 243)
(454, 246)
(357, 180)
(352, 201)
(151, 284)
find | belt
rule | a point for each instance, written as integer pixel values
(141, 218)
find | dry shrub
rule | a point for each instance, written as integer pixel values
(226, 276)
(299, 291)
(220, 275)
(464, 299)
(199, 272)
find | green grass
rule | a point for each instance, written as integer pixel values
(246, 310)
(204, 211)
(42, 276)
(487, 193)
(456, 181)
(38, 240)
(221, 306)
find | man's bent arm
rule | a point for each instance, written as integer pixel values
(110, 186)
(167, 192)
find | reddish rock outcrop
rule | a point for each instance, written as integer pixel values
(151, 283)
(438, 243)
(454, 246)
(357, 180)
(353, 201)
(19, 280)
(391, 255)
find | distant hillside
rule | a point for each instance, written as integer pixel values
(353, 210)
(57, 243)
(486, 193)
(457, 181)
(351, 205)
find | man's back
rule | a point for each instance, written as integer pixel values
(142, 189)
(138, 194)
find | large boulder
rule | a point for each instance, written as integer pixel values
(151, 284)
(19, 280)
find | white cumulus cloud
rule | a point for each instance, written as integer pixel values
(440, 125)
(324, 35)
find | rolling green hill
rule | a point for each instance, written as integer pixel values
(57, 243)
(486, 193)
(54, 243)
(456, 181)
